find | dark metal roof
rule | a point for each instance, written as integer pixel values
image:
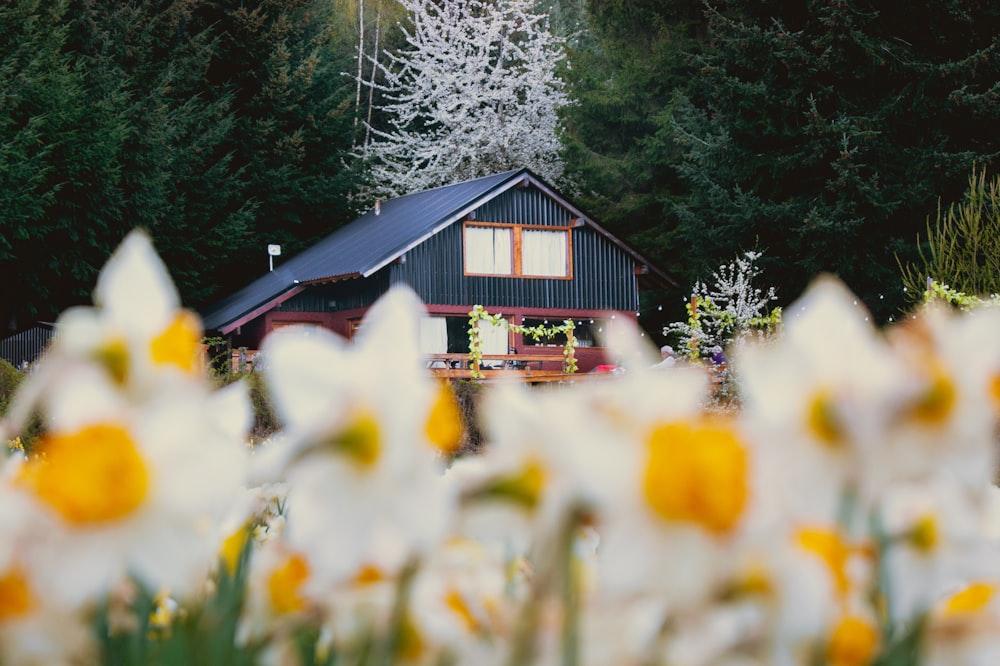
(375, 239)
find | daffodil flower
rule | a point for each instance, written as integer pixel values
(365, 427)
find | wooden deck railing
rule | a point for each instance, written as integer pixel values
(525, 367)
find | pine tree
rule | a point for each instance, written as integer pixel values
(293, 122)
(624, 72)
(823, 132)
(58, 143)
(474, 92)
(220, 126)
(176, 176)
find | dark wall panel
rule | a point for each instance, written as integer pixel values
(603, 275)
(337, 296)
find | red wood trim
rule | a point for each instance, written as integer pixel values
(258, 311)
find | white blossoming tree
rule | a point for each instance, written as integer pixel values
(474, 92)
(728, 311)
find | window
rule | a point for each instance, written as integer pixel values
(433, 335)
(302, 327)
(588, 332)
(489, 250)
(517, 250)
(543, 253)
(495, 339)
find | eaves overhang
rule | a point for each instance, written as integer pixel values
(267, 305)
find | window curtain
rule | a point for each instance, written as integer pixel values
(488, 250)
(494, 338)
(433, 335)
(544, 252)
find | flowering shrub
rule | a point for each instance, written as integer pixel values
(728, 312)
(845, 515)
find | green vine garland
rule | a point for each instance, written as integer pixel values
(537, 333)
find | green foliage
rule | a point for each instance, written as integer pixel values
(265, 420)
(479, 314)
(10, 379)
(57, 142)
(624, 71)
(132, 632)
(219, 126)
(963, 246)
(294, 122)
(821, 131)
(937, 292)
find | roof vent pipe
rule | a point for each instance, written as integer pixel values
(378, 206)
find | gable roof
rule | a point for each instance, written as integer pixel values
(379, 237)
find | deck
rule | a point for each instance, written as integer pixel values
(533, 368)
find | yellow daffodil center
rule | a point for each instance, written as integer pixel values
(91, 476)
(924, 534)
(852, 643)
(970, 600)
(444, 424)
(15, 595)
(831, 549)
(232, 548)
(368, 575)
(524, 486)
(995, 390)
(697, 473)
(825, 422)
(285, 584)
(162, 615)
(936, 401)
(180, 343)
(361, 441)
(114, 357)
(754, 581)
(456, 603)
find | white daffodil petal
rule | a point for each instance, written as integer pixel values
(134, 287)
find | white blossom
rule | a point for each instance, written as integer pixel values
(474, 92)
(730, 310)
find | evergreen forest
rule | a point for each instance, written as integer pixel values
(821, 133)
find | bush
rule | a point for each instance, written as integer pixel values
(265, 422)
(468, 394)
(10, 379)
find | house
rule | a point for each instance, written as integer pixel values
(508, 242)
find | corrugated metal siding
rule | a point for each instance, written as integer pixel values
(337, 296)
(603, 275)
(526, 206)
(26, 345)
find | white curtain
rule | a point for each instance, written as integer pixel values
(488, 250)
(544, 252)
(494, 338)
(433, 335)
